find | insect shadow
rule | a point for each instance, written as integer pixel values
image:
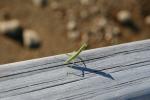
(85, 69)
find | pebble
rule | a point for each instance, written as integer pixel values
(71, 15)
(85, 2)
(31, 39)
(116, 31)
(102, 22)
(54, 5)
(108, 36)
(108, 33)
(84, 14)
(147, 20)
(40, 3)
(123, 16)
(94, 10)
(9, 26)
(85, 38)
(71, 25)
(111, 31)
(73, 35)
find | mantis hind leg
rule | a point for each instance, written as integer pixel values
(74, 63)
(83, 73)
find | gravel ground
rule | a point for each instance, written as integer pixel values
(50, 23)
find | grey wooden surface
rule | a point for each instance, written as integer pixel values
(120, 72)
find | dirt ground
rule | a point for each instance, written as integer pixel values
(51, 23)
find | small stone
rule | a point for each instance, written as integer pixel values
(85, 38)
(31, 39)
(73, 35)
(40, 3)
(84, 2)
(102, 22)
(94, 10)
(54, 5)
(84, 14)
(9, 26)
(116, 31)
(147, 20)
(123, 16)
(71, 25)
(71, 15)
(108, 36)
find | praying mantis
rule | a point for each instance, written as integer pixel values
(73, 57)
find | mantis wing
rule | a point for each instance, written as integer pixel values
(72, 57)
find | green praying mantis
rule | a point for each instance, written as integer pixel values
(74, 56)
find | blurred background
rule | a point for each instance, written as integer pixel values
(38, 28)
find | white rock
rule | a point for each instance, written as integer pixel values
(147, 19)
(73, 35)
(123, 15)
(8, 26)
(31, 39)
(71, 25)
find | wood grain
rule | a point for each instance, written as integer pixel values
(116, 72)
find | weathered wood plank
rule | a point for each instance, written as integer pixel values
(115, 72)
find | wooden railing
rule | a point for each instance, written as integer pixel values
(120, 72)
